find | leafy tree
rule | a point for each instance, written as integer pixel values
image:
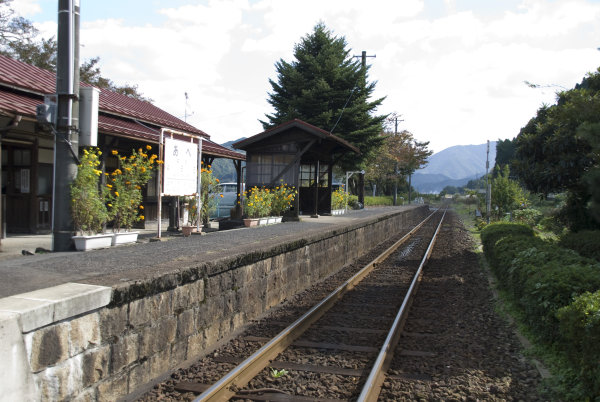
(507, 194)
(505, 151)
(451, 190)
(326, 87)
(554, 151)
(398, 157)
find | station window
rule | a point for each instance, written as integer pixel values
(307, 175)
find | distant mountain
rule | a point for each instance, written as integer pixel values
(453, 166)
(224, 169)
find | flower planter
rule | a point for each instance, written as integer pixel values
(251, 222)
(124, 238)
(263, 221)
(271, 220)
(84, 243)
(278, 219)
(187, 230)
(338, 211)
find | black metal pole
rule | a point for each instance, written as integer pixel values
(66, 136)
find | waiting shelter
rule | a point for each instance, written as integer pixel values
(297, 154)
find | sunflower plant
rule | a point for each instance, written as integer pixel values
(88, 208)
(282, 198)
(125, 185)
(258, 202)
(339, 198)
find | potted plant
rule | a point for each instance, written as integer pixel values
(191, 224)
(282, 198)
(257, 205)
(88, 208)
(125, 191)
(339, 200)
(209, 192)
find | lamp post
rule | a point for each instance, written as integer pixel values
(348, 175)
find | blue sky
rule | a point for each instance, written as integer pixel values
(454, 69)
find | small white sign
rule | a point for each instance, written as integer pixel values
(180, 168)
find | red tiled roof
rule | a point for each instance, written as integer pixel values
(118, 113)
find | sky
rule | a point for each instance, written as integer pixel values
(455, 70)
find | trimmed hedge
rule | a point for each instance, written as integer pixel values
(586, 243)
(554, 289)
(496, 231)
(580, 326)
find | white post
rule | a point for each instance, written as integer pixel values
(198, 197)
(346, 191)
(160, 168)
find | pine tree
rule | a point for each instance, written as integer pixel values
(326, 87)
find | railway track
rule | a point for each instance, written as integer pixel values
(346, 340)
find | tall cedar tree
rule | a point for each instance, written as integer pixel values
(323, 84)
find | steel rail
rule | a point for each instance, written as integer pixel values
(239, 376)
(372, 387)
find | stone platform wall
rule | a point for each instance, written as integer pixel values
(149, 328)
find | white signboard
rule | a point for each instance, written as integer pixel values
(180, 168)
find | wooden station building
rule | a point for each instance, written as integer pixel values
(297, 154)
(27, 148)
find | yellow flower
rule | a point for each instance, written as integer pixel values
(221, 195)
(148, 147)
(117, 193)
(115, 152)
(143, 169)
(110, 205)
(141, 207)
(217, 180)
(123, 158)
(127, 182)
(109, 185)
(142, 217)
(85, 151)
(159, 162)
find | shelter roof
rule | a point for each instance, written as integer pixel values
(302, 125)
(22, 87)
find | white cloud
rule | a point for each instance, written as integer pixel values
(26, 8)
(456, 77)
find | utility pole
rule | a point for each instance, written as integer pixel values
(361, 177)
(396, 166)
(66, 137)
(488, 192)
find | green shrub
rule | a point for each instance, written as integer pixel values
(353, 202)
(580, 328)
(528, 216)
(380, 200)
(551, 224)
(586, 243)
(496, 231)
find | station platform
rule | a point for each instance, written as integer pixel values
(116, 265)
